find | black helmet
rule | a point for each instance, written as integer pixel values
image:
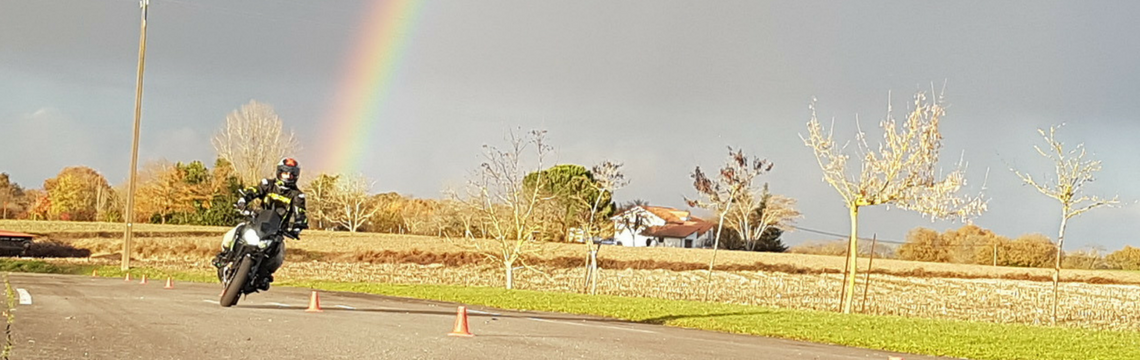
(288, 171)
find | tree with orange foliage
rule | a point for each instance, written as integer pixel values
(159, 193)
(10, 196)
(39, 205)
(970, 244)
(1031, 250)
(75, 193)
(923, 244)
(1127, 258)
(170, 189)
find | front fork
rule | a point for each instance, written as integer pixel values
(226, 272)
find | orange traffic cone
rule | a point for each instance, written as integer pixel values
(94, 272)
(461, 324)
(314, 303)
(169, 283)
(128, 278)
(143, 282)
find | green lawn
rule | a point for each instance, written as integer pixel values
(973, 340)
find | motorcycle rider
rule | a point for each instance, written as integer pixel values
(282, 195)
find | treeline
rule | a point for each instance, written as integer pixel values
(338, 202)
(165, 193)
(194, 194)
(972, 244)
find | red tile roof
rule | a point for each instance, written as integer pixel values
(14, 234)
(680, 230)
(670, 215)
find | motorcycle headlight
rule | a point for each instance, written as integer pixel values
(250, 237)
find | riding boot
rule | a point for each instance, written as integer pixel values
(263, 284)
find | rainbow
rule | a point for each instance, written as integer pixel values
(365, 84)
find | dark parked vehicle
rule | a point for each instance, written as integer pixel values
(14, 243)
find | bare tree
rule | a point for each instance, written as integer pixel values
(352, 205)
(1095, 255)
(758, 211)
(900, 172)
(1073, 171)
(632, 221)
(607, 178)
(733, 186)
(464, 213)
(420, 216)
(631, 204)
(253, 140)
(319, 194)
(505, 206)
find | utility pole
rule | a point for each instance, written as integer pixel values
(995, 253)
(135, 144)
(867, 278)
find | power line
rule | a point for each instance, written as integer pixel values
(267, 16)
(229, 10)
(822, 232)
(896, 242)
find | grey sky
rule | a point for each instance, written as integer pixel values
(662, 86)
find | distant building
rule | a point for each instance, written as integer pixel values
(661, 226)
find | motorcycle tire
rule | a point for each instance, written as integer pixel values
(233, 289)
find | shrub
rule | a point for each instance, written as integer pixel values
(1127, 258)
(1032, 250)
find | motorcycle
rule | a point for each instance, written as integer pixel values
(251, 244)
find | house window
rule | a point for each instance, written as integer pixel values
(688, 243)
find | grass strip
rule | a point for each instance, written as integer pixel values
(9, 318)
(959, 339)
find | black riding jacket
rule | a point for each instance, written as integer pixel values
(287, 201)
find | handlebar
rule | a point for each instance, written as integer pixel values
(287, 232)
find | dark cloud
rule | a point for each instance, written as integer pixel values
(38, 142)
(662, 86)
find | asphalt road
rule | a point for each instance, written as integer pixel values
(78, 317)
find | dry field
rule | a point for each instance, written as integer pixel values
(1092, 299)
(72, 227)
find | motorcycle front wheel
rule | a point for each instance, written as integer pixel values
(233, 288)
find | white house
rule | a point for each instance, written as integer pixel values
(661, 226)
